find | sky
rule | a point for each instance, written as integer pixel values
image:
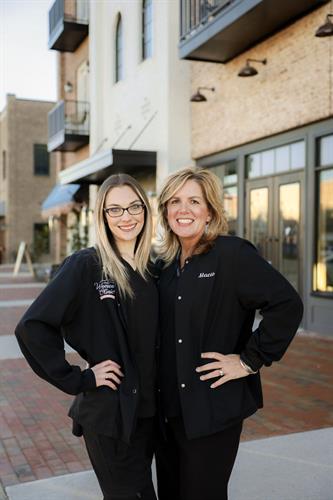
(27, 67)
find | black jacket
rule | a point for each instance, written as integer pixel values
(80, 307)
(215, 303)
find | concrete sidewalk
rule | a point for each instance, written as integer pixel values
(294, 467)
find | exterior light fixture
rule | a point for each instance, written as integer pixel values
(68, 87)
(198, 97)
(325, 29)
(249, 70)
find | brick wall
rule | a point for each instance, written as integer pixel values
(26, 125)
(293, 89)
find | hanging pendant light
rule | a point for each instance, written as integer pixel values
(249, 70)
(198, 96)
(325, 29)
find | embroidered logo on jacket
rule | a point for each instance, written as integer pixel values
(106, 289)
(206, 275)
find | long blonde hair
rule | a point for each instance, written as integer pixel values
(212, 192)
(112, 266)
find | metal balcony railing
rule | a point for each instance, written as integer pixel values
(68, 125)
(196, 13)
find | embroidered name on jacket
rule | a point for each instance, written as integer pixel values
(106, 289)
(206, 275)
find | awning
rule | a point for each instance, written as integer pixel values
(97, 168)
(61, 200)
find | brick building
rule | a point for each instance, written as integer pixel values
(269, 136)
(69, 121)
(27, 173)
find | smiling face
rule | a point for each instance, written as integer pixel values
(188, 213)
(127, 227)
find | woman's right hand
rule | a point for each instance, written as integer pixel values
(107, 373)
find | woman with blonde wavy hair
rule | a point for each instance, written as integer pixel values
(211, 285)
(96, 303)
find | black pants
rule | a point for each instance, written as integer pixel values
(196, 469)
(124, 471)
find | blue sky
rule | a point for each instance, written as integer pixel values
(27, 67)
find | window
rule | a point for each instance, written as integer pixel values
(228, 175)
(41, 160)
(147, 29)
(119, 50)
(273, 161)
(323, 267)
(41, 242)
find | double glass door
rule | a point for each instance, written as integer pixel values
(274, 222)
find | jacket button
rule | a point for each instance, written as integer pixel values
(134, 391)
(180, 341)
(179, 297)
(182, 386)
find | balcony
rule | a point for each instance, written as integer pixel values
(68, 24)
(68, 126)
(219, 30)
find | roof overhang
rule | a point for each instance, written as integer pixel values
(97, 168)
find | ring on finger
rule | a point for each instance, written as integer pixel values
(221, 372)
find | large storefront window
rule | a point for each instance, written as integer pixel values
(323, 268)
(276, 160)
(228, 175)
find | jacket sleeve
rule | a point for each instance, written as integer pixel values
(260, 286)
(39, 333)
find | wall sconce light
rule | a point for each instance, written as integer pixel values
(249, 70)
(198, 97)
(68, 87)
(325, 29)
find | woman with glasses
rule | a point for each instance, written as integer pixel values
(210, 287)
(103, 302)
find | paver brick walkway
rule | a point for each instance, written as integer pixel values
(35, 432)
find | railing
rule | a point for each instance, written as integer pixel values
(195, 13)
(72, 117)
(76, 11)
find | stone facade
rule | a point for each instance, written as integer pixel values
(23, 123)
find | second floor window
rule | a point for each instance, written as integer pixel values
(147, 29)
(119, 50)
(41, 160)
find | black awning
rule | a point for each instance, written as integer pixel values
(98, 167)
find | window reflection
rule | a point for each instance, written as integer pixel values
(276, 160)
(323, 272)
(228, 175)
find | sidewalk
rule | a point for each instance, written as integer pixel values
(294, 467)
(36, 441)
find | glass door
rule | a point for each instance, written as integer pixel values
(274, 222)
(259, 222)
(287, 227)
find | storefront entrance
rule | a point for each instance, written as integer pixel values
(274, 222)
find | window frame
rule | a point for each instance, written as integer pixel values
(39, 170)
(147, 30)
(317, 170)
(119, 60)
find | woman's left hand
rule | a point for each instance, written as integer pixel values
(226, 367)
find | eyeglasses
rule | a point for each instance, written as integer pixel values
(136, 209)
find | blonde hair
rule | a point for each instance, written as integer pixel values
(212, 192)
(112, 266)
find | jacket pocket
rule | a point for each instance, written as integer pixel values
(97, 409)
